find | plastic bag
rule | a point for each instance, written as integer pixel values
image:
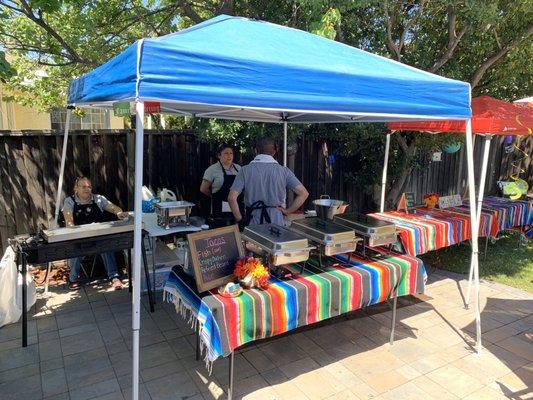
(11, 289)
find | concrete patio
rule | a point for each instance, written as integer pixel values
(80, 348)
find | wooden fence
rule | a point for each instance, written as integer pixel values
(29, 170)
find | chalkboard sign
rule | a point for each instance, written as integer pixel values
(410, 202)
(213, 256)
(407, 202)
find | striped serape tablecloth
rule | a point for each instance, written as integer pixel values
(511, 213)
(428, 229)
(315, 295)
(433, 229)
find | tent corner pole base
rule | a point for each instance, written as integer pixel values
(474, 228)
(135, 371)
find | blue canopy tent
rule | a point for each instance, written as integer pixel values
(243, 69)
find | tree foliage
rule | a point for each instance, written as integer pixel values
(485, 42)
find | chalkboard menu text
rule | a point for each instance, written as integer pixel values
(410, 200)
(213, 256)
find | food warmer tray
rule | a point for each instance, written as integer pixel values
(332, 238)
(171, 213)
(283, 245)
(375, 231)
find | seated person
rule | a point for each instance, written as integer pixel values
(84, 207)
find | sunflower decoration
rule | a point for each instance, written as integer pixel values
(251, 272)
(431, 199)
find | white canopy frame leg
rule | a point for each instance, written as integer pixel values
(384, 175)
(284, 143)
(474, 228)
(59, 188)
(62, 167)
(137, 242)
(484, 164)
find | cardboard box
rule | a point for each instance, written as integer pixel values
(161, 276)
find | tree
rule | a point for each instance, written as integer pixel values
(6, 70)
(484, 42)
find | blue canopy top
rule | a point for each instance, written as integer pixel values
(238, 68)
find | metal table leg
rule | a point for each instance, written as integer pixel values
(147, 278)
(394, 307)
(24, 302)
(230, 383)
(153, 265)
(198, 343)
(393, 324)
(47, 278)
(486, 247)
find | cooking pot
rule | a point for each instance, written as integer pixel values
(326, 207)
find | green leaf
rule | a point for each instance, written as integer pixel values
(6, 70)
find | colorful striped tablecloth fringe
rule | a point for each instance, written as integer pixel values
(433, 229)
(315, 295)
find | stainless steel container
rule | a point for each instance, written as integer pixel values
(326, 208)
(332, 238)
(282, 245)
(375, 231)
(172, 213)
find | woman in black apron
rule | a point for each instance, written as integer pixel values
(216, 184)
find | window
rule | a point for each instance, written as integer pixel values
(93, 119)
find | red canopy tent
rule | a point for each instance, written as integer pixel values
(490, 117)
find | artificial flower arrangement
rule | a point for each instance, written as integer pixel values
(251, 272)
(431, 199)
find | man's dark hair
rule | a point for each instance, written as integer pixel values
(266, 146)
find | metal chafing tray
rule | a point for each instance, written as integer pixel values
(171, 213)
(375, 231)
(283, 246)
(332, 238)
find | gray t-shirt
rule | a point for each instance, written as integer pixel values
(100, 200)
(215, 175)
(264, 179)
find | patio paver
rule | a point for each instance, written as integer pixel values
(80, 349)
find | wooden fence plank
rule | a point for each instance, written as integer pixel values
(7, 216)
(29, 168)
(18, 178)
(34, 181)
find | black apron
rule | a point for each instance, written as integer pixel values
(264, 218)
(87, 213)
(225, 218)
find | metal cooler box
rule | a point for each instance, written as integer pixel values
(283, 246)
(332, 238)
(375, 231)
